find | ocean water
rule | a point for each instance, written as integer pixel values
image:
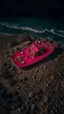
(36, 27)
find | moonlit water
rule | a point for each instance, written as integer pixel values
(37, 27)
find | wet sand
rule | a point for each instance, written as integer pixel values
(38, 89)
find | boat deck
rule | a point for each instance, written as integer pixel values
(24, 58)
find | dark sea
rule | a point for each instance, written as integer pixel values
(36, 27)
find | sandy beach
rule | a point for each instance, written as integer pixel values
(38, 89)
(4, 39)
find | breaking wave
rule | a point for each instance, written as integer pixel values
(17, 27)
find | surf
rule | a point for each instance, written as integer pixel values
(59, 33)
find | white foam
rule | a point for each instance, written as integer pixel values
(61, 31)
(53, 31)
(33, 30)
(59, 35)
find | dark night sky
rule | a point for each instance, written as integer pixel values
(44, 8)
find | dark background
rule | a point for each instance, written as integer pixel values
(44, 8)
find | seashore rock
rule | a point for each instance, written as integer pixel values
(58, 58)
(19, 72)
(31, 94)
(45, 99)
(33, 107)
(45, 110)
(52, 77)
(8, 44)
(19, 109)
(45, 67)
(41, 103)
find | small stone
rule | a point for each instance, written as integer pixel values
(31, 94)
(19, 71)
(33, 107)
(45, 110)
(22, 108)
(57, 59)
(45, 67)
(36, 97)
(53, 67)
(52, 77)
(17, 86)
(45, 99)
(59, 73)
(10, 68)
(19, 109)
(8, 44)
(41, 103)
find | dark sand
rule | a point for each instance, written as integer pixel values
(3, 45)
(38, 89)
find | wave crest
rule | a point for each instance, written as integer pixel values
(53, 31)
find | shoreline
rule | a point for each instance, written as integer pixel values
(4, 39)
